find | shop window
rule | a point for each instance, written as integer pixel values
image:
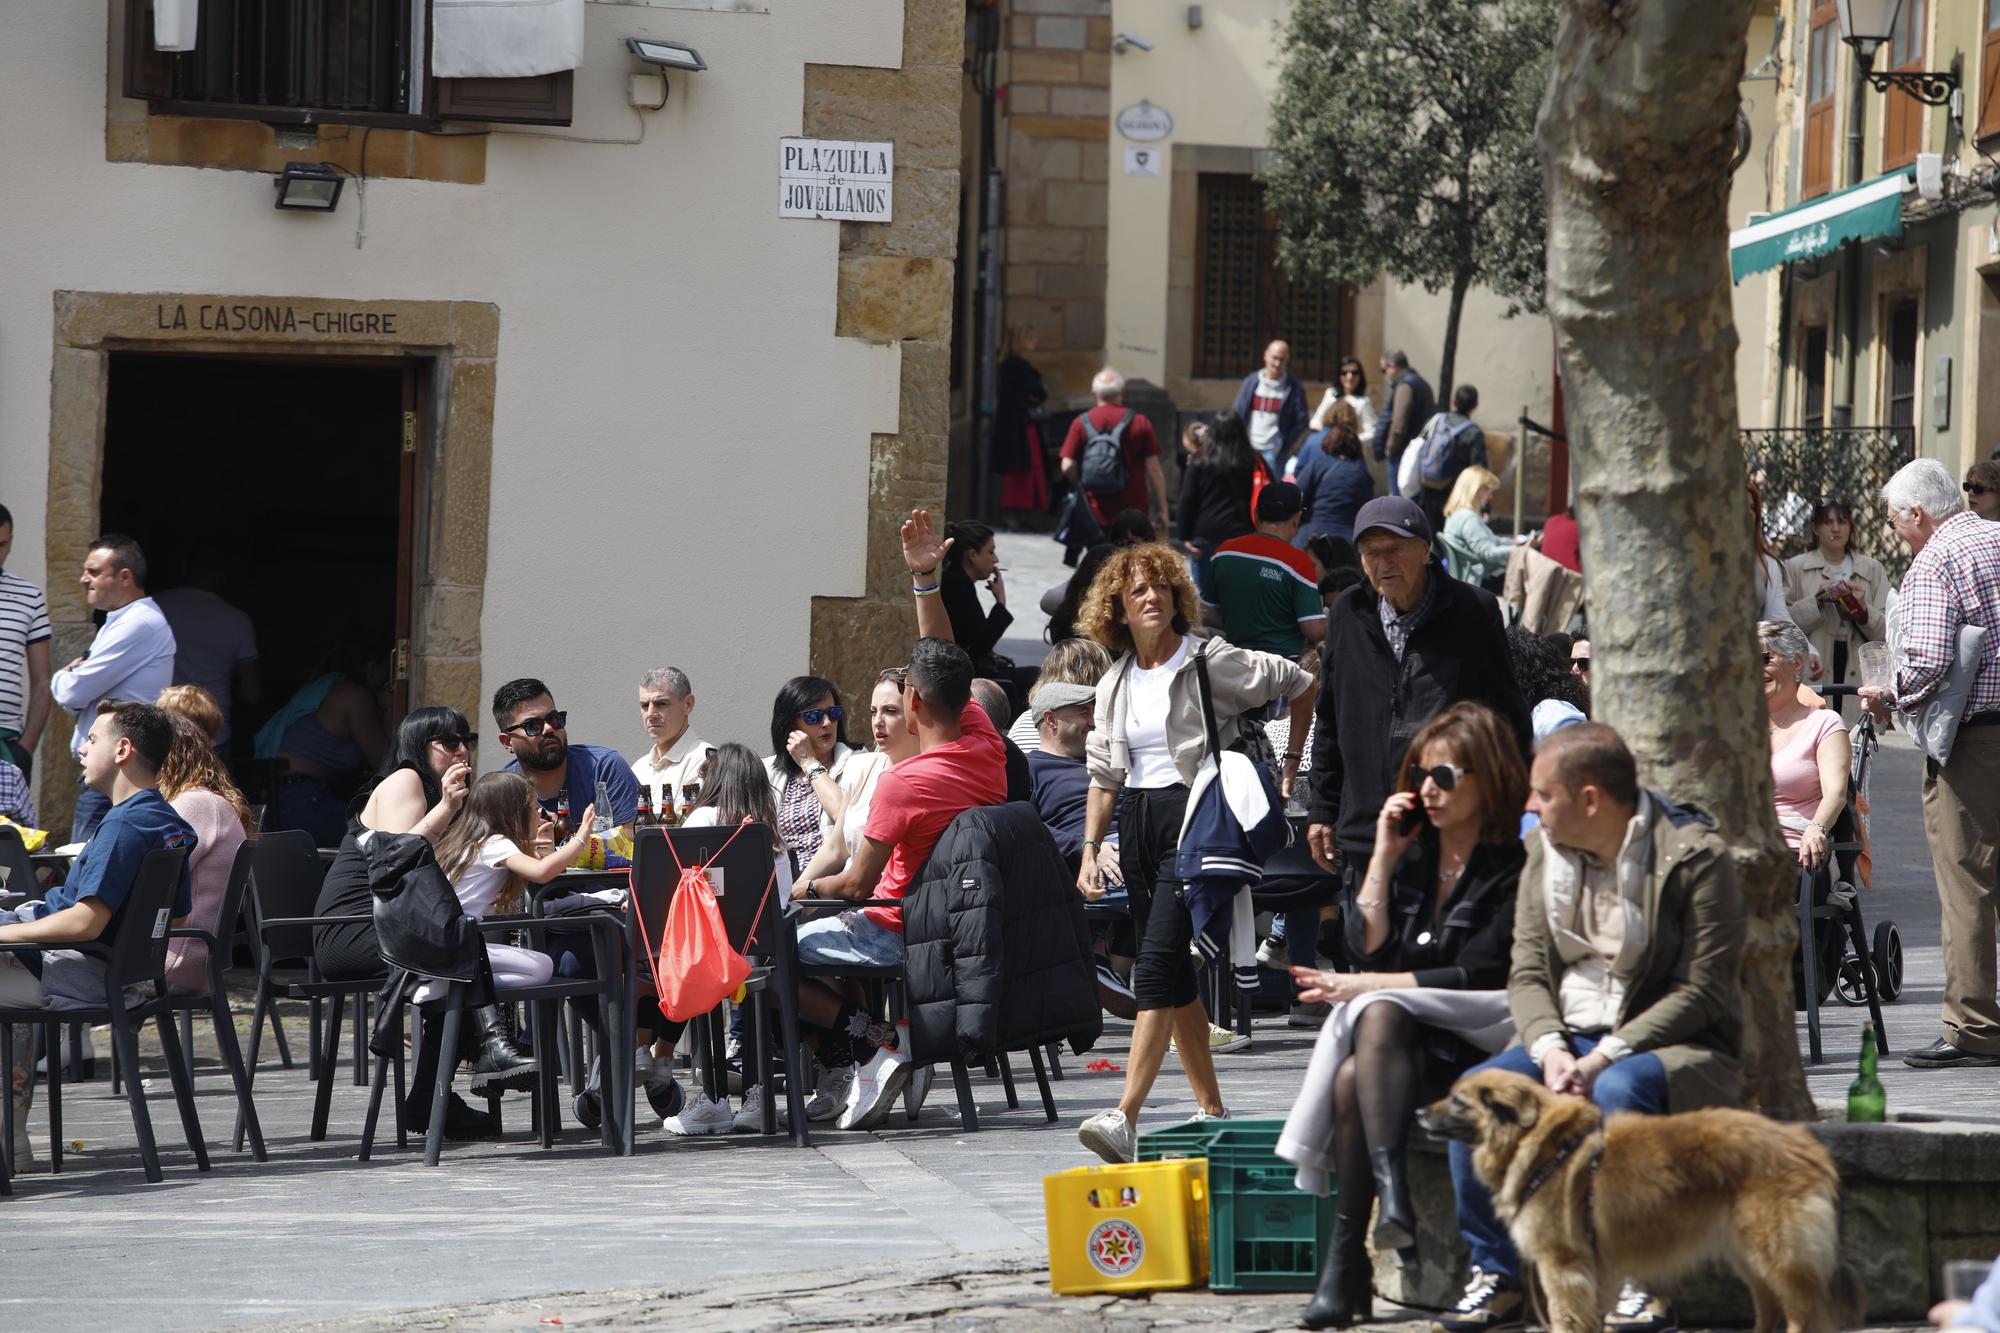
(1243, 300)
(1903, 115)
(1812, 374)
(1901, 390)
(1822, 64)
(308, 61)
(1989, 71)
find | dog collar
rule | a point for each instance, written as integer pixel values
(1547, 1171)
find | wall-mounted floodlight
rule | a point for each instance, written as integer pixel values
(667, 55)
(310, 186)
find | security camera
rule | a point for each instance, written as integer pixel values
(1123, 41)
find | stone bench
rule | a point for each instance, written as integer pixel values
(1915, 1193)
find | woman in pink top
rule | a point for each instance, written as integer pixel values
(198, 787)
(1809, 746)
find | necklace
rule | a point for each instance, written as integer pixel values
(1447, 876)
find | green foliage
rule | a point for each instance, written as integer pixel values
(1402, 142)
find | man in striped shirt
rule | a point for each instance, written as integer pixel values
(1954, 580)
(24, 659)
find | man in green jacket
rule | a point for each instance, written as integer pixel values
(1628, 946)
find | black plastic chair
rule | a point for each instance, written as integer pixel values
(606, 930)
(20, 883)
(213, 1000)
(745, 860)
(136, 955)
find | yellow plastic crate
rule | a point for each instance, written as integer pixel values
(1141, 1227)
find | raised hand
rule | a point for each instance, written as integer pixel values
(923, 550)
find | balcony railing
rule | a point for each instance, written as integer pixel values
(1800, 466)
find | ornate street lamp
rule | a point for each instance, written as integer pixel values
(1868, 24)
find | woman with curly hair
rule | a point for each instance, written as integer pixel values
(195, 783)
(1145, 747)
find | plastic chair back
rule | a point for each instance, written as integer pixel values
(746, 867)
(139, 946)
(285, 878)
(14, 860)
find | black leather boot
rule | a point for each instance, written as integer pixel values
(500, 1061)
(1346, 1290)
(1395, 1219)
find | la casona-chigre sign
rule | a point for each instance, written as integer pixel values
(836, 178)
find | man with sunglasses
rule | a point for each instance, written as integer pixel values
(534, 731)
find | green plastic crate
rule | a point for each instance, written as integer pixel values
(1265, 1234)
(1192, 1139)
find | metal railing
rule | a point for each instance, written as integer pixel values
(1799, 466)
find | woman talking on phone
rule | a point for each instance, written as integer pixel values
(1429, 931)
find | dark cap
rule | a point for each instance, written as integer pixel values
(1279, 502)
(1392, 513)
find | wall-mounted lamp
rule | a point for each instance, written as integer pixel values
(648, 91)
(312, 187)
(1866, 25)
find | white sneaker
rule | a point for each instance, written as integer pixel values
(831, 1095)
(1110, 1135)
(750, 1116)
(877, 1084)
(1222, 1040)
(1271, 954)
(702, 1115)
(1201, 1117)
(921, 1081)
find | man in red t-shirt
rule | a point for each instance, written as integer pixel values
(962, 763)
(1141, 453)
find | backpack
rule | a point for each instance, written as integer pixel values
(698, 967)
(1446, 449)
(1103, 472)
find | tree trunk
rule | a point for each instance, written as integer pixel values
(1461, 282)
(1635, 134)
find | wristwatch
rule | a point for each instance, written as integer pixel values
(813, 773)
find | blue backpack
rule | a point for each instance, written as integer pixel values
(1447, 449)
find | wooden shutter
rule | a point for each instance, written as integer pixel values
(149, 73)
(1822, 61)
(1902, 114)
(1989, 71)
(543, 99)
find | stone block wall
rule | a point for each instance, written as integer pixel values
(1056, 155)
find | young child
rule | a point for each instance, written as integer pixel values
(482, 854)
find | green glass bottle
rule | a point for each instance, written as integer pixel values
(1866, 1101)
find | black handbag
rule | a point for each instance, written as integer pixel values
(418, 920)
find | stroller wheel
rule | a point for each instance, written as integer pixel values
(1848, 983)
(1888, 950)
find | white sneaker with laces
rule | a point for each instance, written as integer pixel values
(877, 1084)
(1110, 1135)
(831, 1095)
(1271, 954)
(750, 1116)
(1201, 1117)
(701, 1115)
(1222, 1040)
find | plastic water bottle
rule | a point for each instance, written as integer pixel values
(603, 824)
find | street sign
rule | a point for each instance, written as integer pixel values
(1142, 161)
(836, 178)
(1145, 123)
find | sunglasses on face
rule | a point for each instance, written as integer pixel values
(812, 717)
(456, 740)
(1446, 776)
(534, 726)
(1579, 664)
(1974, 488)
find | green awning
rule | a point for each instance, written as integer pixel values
(1821, 226)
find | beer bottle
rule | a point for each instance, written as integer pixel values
(644, 819)
(1867, 1103)
(564, 828)
(667, 816)
(689, 794)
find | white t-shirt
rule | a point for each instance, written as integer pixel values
(1263, 424)
(210, 638)
(1150, 763)
(480, 882)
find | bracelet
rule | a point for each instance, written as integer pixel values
(921, 588)
(923, 573)
(816, 772)
(1092, 842)
(1365, 903)
(1295, 754)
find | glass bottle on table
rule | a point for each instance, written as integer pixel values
(690, 794)
(667, 816)
(644, 817)
(564, 826)
(1867, 1102)
(602, 824)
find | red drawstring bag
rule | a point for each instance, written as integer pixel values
(698, 967)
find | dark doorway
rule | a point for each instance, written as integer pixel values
(283, 485)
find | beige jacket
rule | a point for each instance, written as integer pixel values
(1242, 679)
(1683, 999)
(1806, 574)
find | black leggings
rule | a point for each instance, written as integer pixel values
(1376, 1093)
(1149, 833)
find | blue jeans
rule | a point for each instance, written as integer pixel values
(849, 939)
(1636, 1083)
(91, 807)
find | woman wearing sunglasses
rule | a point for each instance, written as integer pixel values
(1836, 594)
(1430, 931)
(1982, 489)
(808, 762)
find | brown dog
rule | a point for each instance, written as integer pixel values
(1592, 1202)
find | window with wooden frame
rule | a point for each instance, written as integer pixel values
(1899, 387)
(1822, 64)
(1812, 377)
(1244, 301)
(1902, 114)
(1989, 70)
(355, 62)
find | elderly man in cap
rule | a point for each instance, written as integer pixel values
(1401, 647)
(1063, 716)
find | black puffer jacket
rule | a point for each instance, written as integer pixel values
(997, 950)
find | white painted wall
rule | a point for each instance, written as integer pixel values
(680, 442)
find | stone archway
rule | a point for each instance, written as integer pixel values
(453, 438)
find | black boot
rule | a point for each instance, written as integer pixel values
(1395, 1219)
(1346, 1290)
(500, 1061)
(461, 1123)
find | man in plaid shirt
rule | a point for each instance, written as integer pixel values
(1954, 580)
